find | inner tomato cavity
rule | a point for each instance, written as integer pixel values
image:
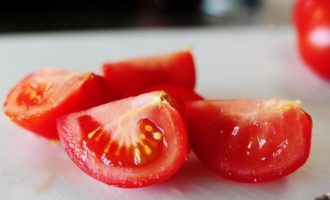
(32, 94)
(111, 152)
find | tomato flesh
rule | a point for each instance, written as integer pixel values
(250, 140)
(132, 77)
(132, 142)
(32, 95)
(41, 97)
(312, 23)
(109, 151)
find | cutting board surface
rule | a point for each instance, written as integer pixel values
(250, 62)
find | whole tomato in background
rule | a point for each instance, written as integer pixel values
(312, 23)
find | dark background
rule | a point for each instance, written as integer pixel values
(57, 16)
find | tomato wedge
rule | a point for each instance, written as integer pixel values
(36, 101)
(132, 142)
(250, 140)
(132, 77)
(178, 93)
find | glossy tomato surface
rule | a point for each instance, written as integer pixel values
(178, 93)
(132, 77)
(37, 100)
(132, 142)
(250, 140)
(312, 23)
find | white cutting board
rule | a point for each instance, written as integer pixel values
(246, 62)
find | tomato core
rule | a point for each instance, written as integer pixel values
(33, 94)
(132, 149)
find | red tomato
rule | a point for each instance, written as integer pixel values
(178, 93)
(132, 77)
(312, 22)
(132, 142)
(250, 140)
(36, 101)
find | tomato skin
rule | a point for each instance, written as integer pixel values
(316, 57)
(178, 93)
(160, 112)
(312, 24)
(249, 140)
(92, 91)
(309, 14)
(132, 77)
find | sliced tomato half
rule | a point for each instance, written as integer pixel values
(250, 140)
(134, 76)
(36, 101)
(132, 142)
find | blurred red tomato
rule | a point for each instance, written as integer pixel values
(312, 23)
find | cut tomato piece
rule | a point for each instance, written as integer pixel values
(132, 142)
(36, 101)
(250, 140)
(178, 93)
(132, 77)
